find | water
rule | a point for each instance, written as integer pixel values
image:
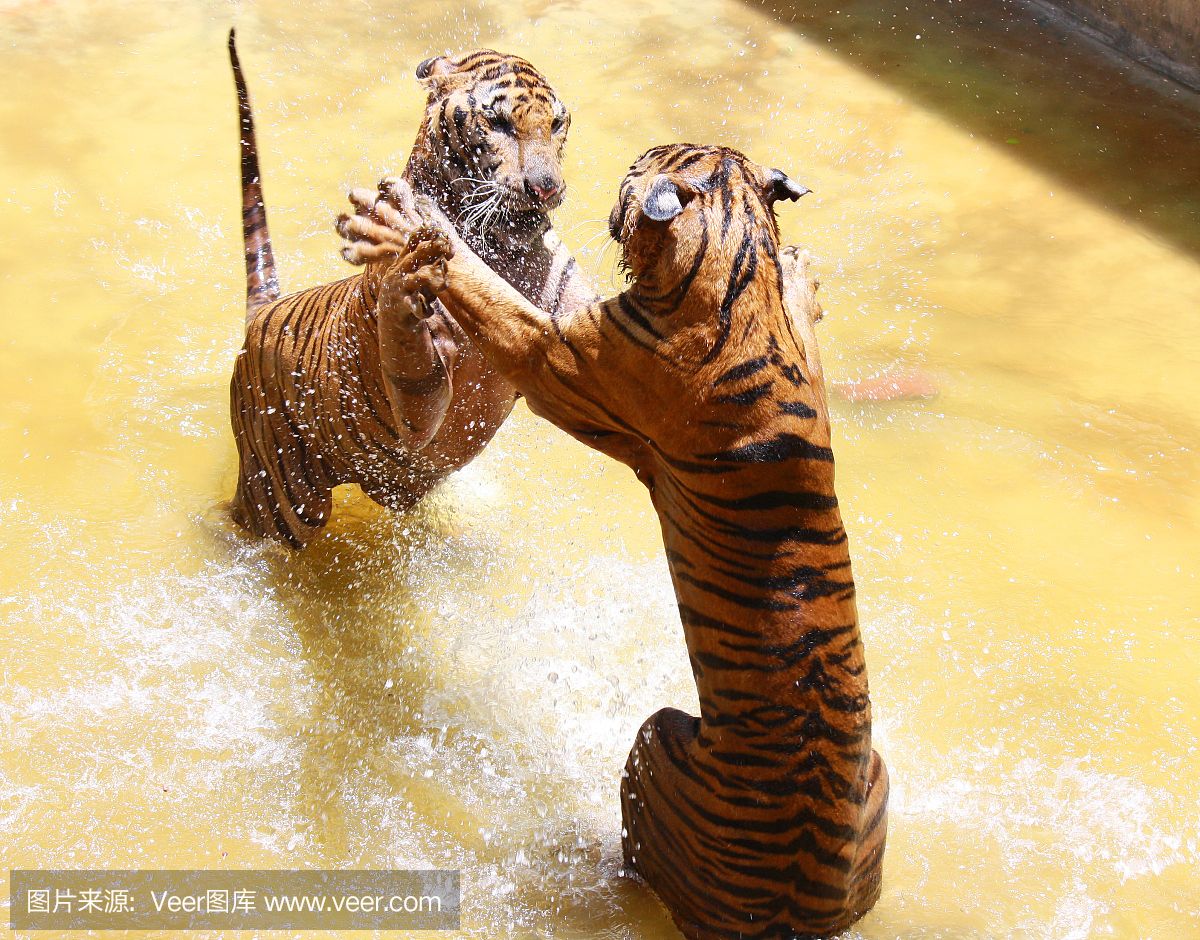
(459, 687)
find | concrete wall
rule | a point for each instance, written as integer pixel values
(1164, 34)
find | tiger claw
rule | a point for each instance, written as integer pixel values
(422, 265)
(427, 244)
(363, 199)
(396, 192)
(359, 253)
(361, 228)
(393, 218)
(400, 296)
(386, 223)
(418, 275)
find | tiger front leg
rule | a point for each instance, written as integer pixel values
(417, 349)
(525, 345)
(897, 383)
(800, 287)
(512, 332)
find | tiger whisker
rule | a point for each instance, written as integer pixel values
(582, 223)
(497, 208)
(477, 217)
(479, 198)
(479, 194)
(591, 241)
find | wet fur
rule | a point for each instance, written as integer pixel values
(344, 383)
(765, 817)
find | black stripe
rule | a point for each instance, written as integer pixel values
(743, 371)
(772, 499)
(630, 309)
(776, 450)
(797, 409)
(748, 397)
(745, 264)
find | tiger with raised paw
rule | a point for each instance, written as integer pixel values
(766, 816)
(327, 389)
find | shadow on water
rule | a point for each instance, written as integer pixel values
(357, 601)
(363, 603)
(1121, 135)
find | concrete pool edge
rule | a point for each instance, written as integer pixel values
(1142, 41)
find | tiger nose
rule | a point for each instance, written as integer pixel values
(545, 188)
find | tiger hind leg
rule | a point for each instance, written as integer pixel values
(660, 839)
(866, 875)
(289, 504)
(717, 856)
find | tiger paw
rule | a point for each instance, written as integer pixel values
(382, 222)
(799, 281)
(417, 276)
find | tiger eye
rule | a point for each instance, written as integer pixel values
(497, 121)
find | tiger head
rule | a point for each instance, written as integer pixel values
(497, 131)
(679, 198)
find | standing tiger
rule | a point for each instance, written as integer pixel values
(327, 390)
(766, 816)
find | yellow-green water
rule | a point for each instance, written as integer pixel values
(459, 687)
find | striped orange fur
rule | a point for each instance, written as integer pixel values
(326, 389)
(764, 817)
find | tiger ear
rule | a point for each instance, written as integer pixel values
(779, 186)
(662, 201)
(429, 71)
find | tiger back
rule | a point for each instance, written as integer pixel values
(765, 816)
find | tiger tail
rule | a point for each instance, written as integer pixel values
(262, 284)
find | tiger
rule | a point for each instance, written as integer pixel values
(766, 816)
(325, 390)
